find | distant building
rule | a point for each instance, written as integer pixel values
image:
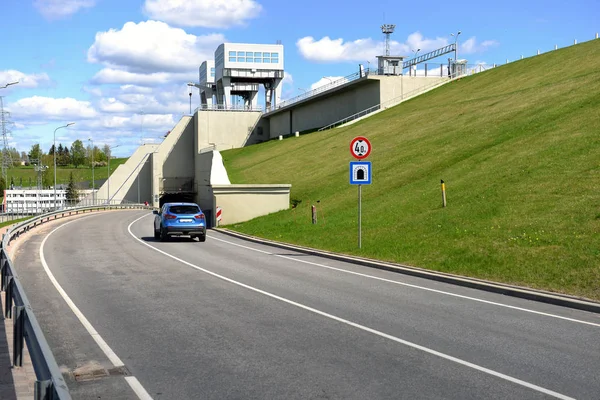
(22, 201)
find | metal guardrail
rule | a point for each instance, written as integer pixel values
(50, 383)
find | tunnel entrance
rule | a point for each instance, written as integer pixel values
(176, 198)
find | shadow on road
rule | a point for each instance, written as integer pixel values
(171, 239)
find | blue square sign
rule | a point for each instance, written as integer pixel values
(360, 172)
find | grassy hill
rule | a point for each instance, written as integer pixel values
(518, 147)
(82, 173)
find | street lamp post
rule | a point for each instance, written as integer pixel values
(93, 182)
(8, 84)
(54, 147)
(108, 176)
(455, 45)
(415, 56)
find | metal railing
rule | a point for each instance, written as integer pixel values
(229, 107)
(49, 383)
(320, 89)
(385, 104)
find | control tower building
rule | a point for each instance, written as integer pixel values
(207, 85)
(240, 69)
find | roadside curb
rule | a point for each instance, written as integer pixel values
(508, 290)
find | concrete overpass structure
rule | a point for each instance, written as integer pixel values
(187, 165)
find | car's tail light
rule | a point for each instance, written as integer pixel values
(200, 217)
(170, 216)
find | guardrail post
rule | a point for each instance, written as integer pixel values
(43, 390)
(2, 272)
(8, 297)
(18, 335)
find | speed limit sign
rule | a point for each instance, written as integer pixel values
(360, 147)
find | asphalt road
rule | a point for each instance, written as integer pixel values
(230, 319)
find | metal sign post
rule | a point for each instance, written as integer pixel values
(360, 173)
(359, 216)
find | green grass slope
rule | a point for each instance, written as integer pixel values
(518, 147)
(83, 173)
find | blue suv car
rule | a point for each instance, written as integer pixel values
(176, 219)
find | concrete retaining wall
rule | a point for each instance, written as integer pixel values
(244, 202)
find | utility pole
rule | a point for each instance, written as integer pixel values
(5, 122)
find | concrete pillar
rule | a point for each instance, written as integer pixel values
(278, 93)
(226, 91)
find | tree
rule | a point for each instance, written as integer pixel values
(48, 177)
(78, 153)
(51, 151)
(15, 157)
(2, 185)
(65, 157)
(106, 150)
(72, 193)
(35, 153)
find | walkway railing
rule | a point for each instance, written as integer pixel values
(49, 383)
(386, 104)
(230, 107)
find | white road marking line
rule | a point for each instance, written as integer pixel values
(138, 388)
(355, 325)
(410, 285)
(114, 359)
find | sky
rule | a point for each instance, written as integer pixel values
(119, 69)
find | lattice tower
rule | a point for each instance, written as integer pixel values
(39, 169)
(387, 30)
(5, 124)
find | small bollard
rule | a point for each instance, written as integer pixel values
(314, 214)
(443, 194)
(297, 134)
(280, 137)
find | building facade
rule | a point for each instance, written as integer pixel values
(23, 201)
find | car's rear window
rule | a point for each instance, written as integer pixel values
(184, 209)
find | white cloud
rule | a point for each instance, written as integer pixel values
(135, 89)
(203, 13)
(152, 46)
(326, 81)
(470, 46)
(25, 80)
(47, 108)
(335, 50)
(55, 9)
(362, 50)
(118, 76)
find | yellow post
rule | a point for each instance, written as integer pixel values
(443, 194)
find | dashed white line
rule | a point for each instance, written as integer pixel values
(114, 359)
(355, 325)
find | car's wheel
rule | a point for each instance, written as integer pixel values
(163, 235)
(202, 238)
(156, 234)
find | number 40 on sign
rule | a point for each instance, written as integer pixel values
(360, 147)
